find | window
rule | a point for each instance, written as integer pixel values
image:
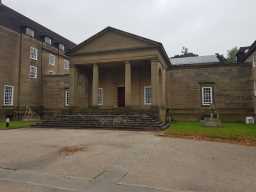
(100, 96)
(254, 60)
(48, 40)
(66, 64)
(32, 72)
(51, 59)
(147, 95)
(61, 47)
(207, 96)
(67, 97)
(8, 95)
(33, 53)
(51, 72)
(30, 32)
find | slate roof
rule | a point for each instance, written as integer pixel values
(208, 59)
(245, 52)
(15, 21)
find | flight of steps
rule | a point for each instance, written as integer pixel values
(105, 120)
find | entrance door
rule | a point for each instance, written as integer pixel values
(121, 96)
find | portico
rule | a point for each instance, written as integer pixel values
(117, 69)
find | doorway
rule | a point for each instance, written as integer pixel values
(121, 96)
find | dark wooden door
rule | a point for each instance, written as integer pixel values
(121, 96)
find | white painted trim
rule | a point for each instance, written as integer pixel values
(33, 53)
(211, 96)
(11, 104)
(66, 97)
(145, 99)
(51, 62)
(66, 64)
(102, 97)
(33, 75)
(254, 60)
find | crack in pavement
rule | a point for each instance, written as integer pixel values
(105, 181)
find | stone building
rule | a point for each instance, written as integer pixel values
(31, 57)
(113, 70)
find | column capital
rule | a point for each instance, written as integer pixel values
(155, 60)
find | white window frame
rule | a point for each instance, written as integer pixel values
(67, 97)
(204, 102)
(66, 64)
(52, 59)
(48, 40)
(254, 60)
(33, 53)
(147, 101)
(30, 32)
(12, 95)
(33, 72)
(100, 96)
(61, 47)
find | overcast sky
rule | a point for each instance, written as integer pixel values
(204, 26)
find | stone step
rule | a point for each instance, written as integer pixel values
(100, 119)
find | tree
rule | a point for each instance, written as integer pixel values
(221, 58)
(184, 50)
(185, 53)
(231, 57)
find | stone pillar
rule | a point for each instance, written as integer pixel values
(164, 101)
(128, 84)
(154, 82)
(74, 86)
(95, 84)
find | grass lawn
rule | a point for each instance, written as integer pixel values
(228, 131)
(16, 124)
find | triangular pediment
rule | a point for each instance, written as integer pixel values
(111, 39)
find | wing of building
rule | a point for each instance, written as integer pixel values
(115, 70)
(32, 58)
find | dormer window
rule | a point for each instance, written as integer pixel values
(61, 47)
(30, 32)
(48, 40)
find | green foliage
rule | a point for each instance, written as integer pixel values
(232, 131)
(231, 56)
(16, 124)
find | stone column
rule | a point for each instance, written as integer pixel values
(128, 84)
(164, 102)
(154, 82)
(95, 84)
(74, 86)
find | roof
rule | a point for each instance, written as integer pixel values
(15, 21)
(213, 59)
(245, 52)
(155, 44)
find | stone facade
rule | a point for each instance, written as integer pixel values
(122, 66)
(232, 87)
(15, 64)
(114, 59)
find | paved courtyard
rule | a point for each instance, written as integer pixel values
(50, 160)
